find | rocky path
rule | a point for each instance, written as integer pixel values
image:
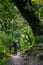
(18, 60)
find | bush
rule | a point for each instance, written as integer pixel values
(5, 43)
(37, 49)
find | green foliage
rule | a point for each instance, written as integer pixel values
(5, 43)
(8, 12)
(13, 26)
(6, 9)
(37, 6)
(4, 61)
(27, 38)
(37, 49)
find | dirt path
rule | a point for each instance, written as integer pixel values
(18, 60)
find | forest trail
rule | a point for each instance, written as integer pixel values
(18, 60)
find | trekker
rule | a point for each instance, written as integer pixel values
(15, 46)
